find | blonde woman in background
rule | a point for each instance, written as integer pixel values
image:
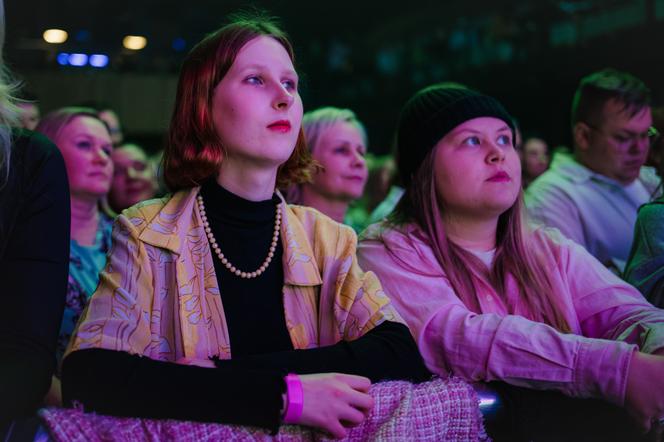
(85, 144)
(337, 140)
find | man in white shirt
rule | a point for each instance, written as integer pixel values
(592, 194)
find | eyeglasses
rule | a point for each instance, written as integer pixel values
(653, 135)
(625, 141)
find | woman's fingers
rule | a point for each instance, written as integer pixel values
(336, 430)
(351, 417)
(361, 401)
(359, 383)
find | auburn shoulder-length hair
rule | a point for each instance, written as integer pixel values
(194, 151)
(420, 205)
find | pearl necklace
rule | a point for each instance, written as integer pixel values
(224, 260)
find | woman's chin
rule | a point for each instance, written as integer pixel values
(347, 196)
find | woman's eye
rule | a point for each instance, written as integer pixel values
(504, 140)
(341, 150)
(254, 79)
(84, 145)
(472, 141)
(290, 85)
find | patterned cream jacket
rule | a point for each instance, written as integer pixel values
(159, 297)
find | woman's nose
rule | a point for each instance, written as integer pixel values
(102, 156)
(284, 99)
(496, 154)
(358, 160)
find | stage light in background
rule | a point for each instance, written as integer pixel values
(134, 42)
(78, 59)
(63, 59)
(98, 60)
(55, 36)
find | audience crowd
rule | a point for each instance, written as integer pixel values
(265, 268)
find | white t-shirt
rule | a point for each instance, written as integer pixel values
(485, 257)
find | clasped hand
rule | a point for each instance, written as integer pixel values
(335, 402)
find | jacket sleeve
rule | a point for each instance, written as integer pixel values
(33, 271)
(386, 352)
(120, 384)
(645, 267)
(488, 347)
(606, 306)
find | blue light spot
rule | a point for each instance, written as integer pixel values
(179, 44)
(98, 60)
(78, 59)
(63, 59)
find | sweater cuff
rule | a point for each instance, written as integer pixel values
(601, 369)
(280, 391)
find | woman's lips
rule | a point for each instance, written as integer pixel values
(355, 178)
(499, 177)
(280, 126)
(101, 175)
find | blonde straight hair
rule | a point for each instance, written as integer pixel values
(8, 109)
(420, 204)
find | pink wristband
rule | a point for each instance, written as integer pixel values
(294, 399)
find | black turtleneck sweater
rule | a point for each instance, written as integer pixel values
(247, 389)
(254, 308)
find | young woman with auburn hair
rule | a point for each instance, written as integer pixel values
(488, 298)
(215, 293)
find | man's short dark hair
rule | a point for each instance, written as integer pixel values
(608, 84)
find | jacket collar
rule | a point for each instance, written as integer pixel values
(166, 229)
(299, 261)
(565, 164)
(179, 217)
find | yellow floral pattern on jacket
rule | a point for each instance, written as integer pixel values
(158, 295)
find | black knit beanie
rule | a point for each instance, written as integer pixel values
(432, 113)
